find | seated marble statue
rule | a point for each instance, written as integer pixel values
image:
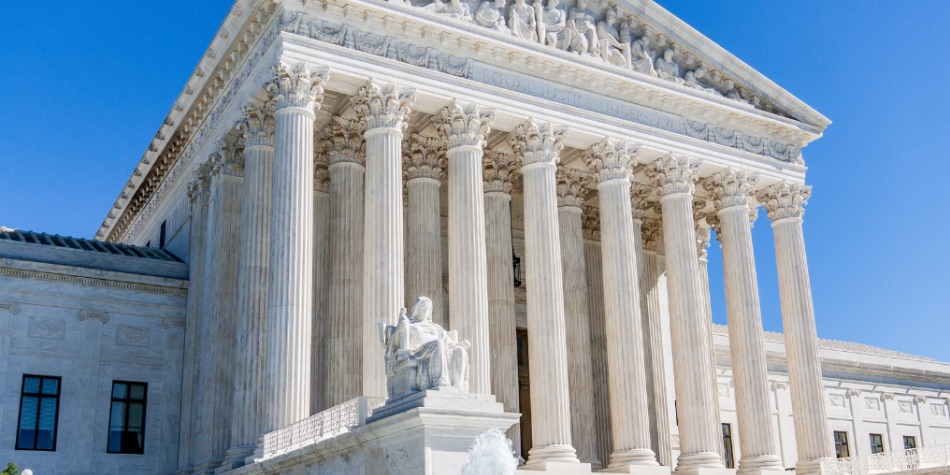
(453, 9)
(666, 68)
(490, 14)
(421, 355)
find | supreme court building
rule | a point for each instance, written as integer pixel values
(548, 174)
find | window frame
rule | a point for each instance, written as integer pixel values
(127, 400)
(880, 440)
(844, 443)
(912, 439)
(39, 405)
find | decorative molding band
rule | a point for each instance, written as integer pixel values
(95, 282)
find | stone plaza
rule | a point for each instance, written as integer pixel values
(548, 176)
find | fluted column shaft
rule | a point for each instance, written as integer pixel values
(424, 249)
(501, 306)
(319, 353)
(198, 194)
(464, 128)
(784, 203)
(577, 323)
(539, 147)
(246, 423)
(653, 357)
(746, 338)
(630, 424)
(700, 435)
(703, 235)
(344, 332)
(593, 258)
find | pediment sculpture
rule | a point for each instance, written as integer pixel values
(421, 355)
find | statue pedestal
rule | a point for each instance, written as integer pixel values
(427, 432)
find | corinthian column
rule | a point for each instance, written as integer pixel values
(321, 282)
(383, 109)
(593, 260)
(464, 129)
(343, 141)
(695, 396)
(570, 195)
(539, 146)
(422, 164)
(246, 421)
(785, 203)
(730, 192)
(654, 338)
(296, 93)
(630, 423)
(502, 336)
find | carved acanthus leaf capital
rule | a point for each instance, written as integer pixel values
(321, 172)
(571, 186)
(423, 157)
(674, 174)
(784, 200)
(538, 142)
(640, 200)
(612, 160)
(381, 105)
(199, 190)
(499, 171)
(258, 125)
(464, 126)
(652, 231)
(297, 86)
(703, 237)
(887, 396)
(730, 188)
(228, 159)
(591, 216)
(854, 392)
(343, 141)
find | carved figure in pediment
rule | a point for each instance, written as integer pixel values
(453, 9)
(641, 56)
(583, 30)
(694, 79)
(666, 68)
(612, 49)
(421, 355)
(490, 14)
(731, 92)
(522, 22)
(552, 25)
(401, 2)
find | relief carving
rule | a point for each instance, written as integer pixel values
(131, 336)
(46, 328)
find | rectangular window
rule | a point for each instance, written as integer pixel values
(877, 443)
(910, 442)
(727, 457)
(39, 413)
(127, 418)
(841, 445)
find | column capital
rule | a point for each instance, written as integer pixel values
(854, 392)
(257, 125)
(464, 125)
(784, 200)
(652, 230)
(887, 396)
(199, 189)
(321, 172)
(297, 86)
(591, 222)
(730, 188)
(779, 385)
(343, 141)
(674, 174)
(228, 159)
(423, 157)
(538, 142)
(571, 189)
(499, 171)
(639, 200)
(612, 160)
(383, 105)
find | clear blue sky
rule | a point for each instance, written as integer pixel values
(86, 85)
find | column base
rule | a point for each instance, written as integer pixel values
(704, 460)
(705, 471)
(207, 467)
(760, 464)
(639, 469)
(760, 471)
(566, 468)
(235, 457)
(809, 467)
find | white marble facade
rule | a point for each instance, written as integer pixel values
(329, 160)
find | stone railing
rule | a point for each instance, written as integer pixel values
(890, 462)
(323, 425)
